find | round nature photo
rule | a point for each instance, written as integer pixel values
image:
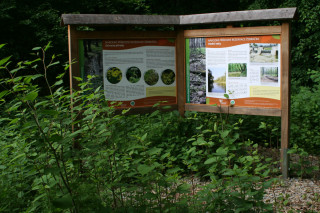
(168, 77)
(151, 77)
(114, 75)
(133, 74)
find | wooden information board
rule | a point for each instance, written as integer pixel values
(243, 70)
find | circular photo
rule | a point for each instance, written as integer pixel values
(114, 75)
(151, 77)
(133, 74)
(168, 77)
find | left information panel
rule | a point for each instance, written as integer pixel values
(135, 72)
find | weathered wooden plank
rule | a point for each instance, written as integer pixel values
(236, 31)
(233, 110)
(209, 18)
(125, 34)
(116, 19)
(239, 16)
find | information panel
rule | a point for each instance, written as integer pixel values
(135, 72)
(247, 68)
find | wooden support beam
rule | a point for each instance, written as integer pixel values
(73, 56)
(180, 62)
(285, 97)
(233, 110)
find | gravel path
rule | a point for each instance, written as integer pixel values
(294, 195)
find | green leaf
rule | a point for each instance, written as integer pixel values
(210, 160)
(164, 155)
(76, 133)
(14, 107)
(36, 48)
(77, 78)
(31, 96)
(173, 170)
(60, 75)
(19, 156)
(31, 62)
(54, 63)
(3, 61)
(145, 169)
(184, 188)
(16, 70)
(39, 197)
(166, 107)
(222, 151)
(229, 172)
(124, 111)
(48, 46)
(157, 104)
(154, 151)
(225, 133)
(2, 45)
(200, 142)
(155, 113)
(206, 131)
(135, 147)
(58, 83)
(3, 93)
(143, 138)
(13, 121)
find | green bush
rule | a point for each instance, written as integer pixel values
(305, 116)
(70, 152)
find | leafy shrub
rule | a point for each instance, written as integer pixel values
(71, 153)
(305, 116)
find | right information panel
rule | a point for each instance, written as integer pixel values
(247, 68)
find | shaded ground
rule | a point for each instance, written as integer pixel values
(263, 58)
(269, 79)
(291, 195)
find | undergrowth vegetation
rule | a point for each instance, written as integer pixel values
(74, 152)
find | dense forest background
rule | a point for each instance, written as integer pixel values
(26, 24)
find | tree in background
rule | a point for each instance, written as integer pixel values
(26, 24)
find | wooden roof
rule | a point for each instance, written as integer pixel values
(195, 19)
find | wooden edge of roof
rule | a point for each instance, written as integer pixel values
(194, 19)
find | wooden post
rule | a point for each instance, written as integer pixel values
(285, 98)
(73, 55)
(180, 59)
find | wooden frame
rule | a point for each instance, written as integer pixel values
(237, 32)
(74, 36)
(194, 19)
(180, 34)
